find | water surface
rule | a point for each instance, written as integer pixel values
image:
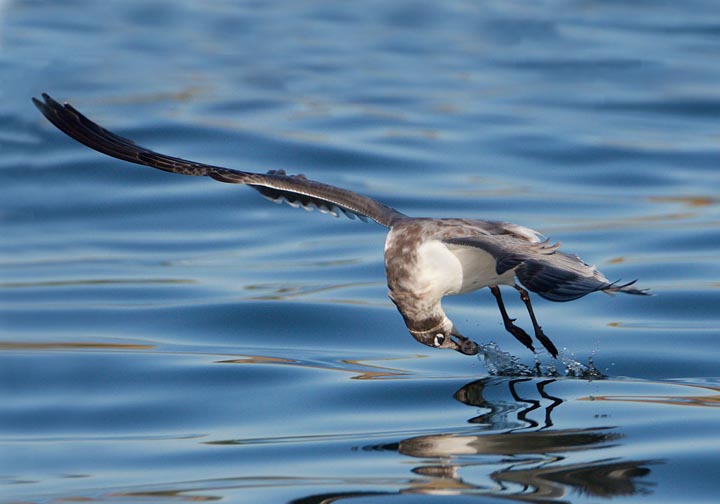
(171, 338)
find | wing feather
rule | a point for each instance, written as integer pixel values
(543, 269)
(297, 190)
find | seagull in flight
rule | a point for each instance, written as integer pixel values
(425, 258)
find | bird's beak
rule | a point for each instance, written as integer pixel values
(463, 344)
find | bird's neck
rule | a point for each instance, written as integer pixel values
(420, 315)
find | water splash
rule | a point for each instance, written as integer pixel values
(501, 363)
(577, 369)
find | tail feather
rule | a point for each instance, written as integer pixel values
(626, 288)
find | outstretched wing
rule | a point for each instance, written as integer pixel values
(296, 190)
(542, 268)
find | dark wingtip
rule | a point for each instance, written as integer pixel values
(40, 105)
(47, 105)
(48, 99)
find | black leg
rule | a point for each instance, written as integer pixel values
(516, 331)
(539, 334)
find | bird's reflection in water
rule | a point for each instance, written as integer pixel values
(531, 453)
(514, 457)
(512, 411)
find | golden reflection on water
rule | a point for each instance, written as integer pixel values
(65, 345)
(359, 369)
(691, 201)
(707, 401)
(95, 282)
(665, 221)
(695, 209)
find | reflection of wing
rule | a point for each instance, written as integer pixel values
(507, 443)
(542, 268)
(275, 185)
(602, 478)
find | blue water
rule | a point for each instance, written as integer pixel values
(168, 338)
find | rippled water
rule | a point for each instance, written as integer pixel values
(169, 338)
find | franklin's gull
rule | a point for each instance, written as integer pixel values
(425, 259)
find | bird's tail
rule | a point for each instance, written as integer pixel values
(627, 288)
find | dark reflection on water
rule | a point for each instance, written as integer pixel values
(525, 460)
(535, 468)
(472, 394)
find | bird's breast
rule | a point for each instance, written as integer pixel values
(438, 270)
(424, 268)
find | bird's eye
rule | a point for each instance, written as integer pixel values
(439, 338)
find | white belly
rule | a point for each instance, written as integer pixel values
(478, 269)
(443, 270)
(438, 272)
